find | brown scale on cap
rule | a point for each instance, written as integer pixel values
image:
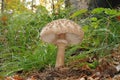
(62, 32)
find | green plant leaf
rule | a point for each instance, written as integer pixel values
(79, 12)
(93, 19)
(85, 28)
(97, 10)
(110, 11)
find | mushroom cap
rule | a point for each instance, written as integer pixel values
(73, 32)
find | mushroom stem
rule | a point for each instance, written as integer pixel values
(60, 55)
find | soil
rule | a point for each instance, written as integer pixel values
(108, 69)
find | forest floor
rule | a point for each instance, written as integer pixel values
(108, 69)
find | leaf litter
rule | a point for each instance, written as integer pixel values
(108, 69)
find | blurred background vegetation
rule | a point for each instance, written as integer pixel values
(21, 22)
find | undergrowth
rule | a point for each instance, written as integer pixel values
(21, 48)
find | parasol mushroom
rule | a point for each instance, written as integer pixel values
(62, 32)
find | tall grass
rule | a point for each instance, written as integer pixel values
(22, 49)
(102, 31)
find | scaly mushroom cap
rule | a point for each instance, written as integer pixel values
(72, 31)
